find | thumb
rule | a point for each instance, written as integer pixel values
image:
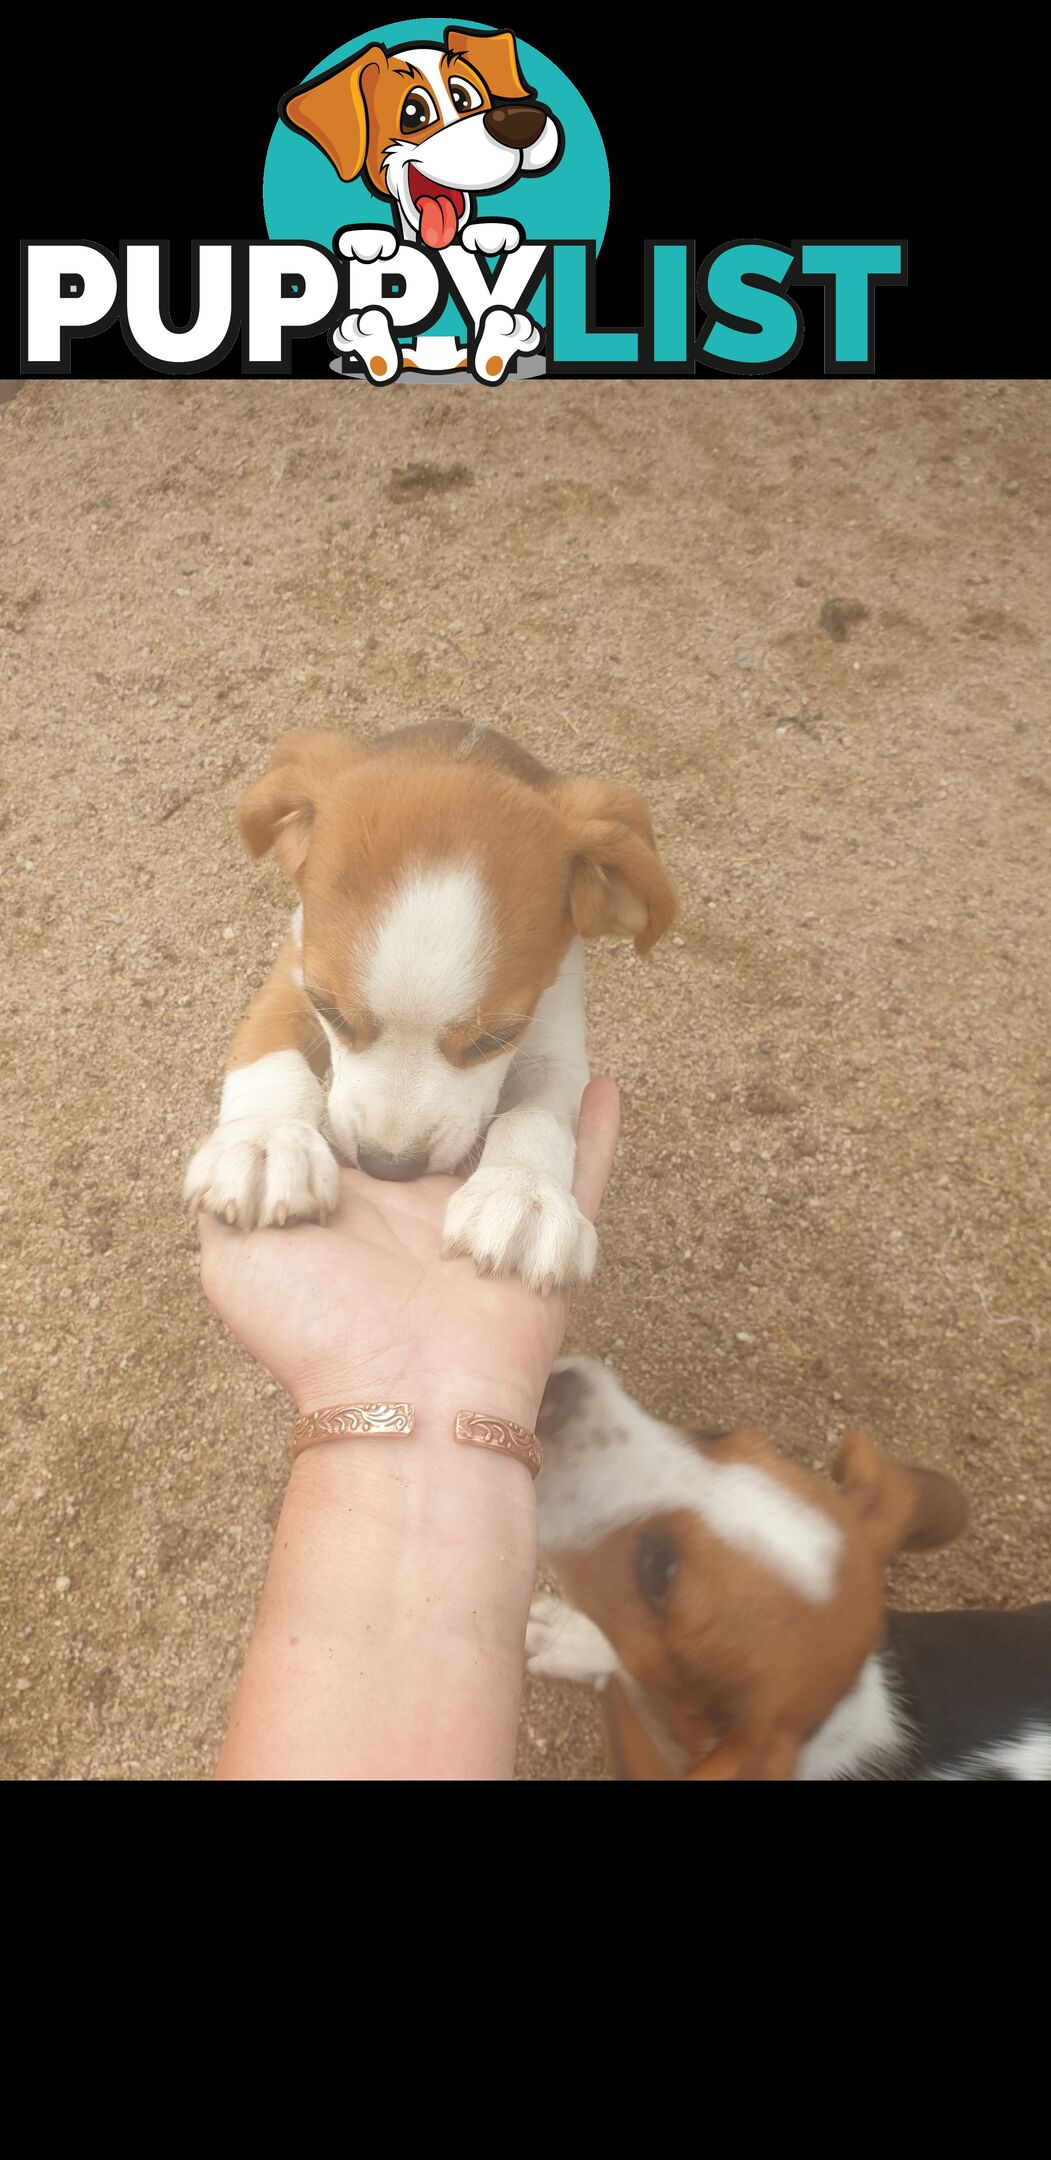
(596, 1144)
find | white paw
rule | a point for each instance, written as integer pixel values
(501, 336)
(494, 237)
(565, 1645)
(369, 336)
(512, 1222)
(251, 1174)
(367, 243)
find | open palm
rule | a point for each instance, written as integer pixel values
(366, 1308)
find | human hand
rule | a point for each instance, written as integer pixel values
(366, 1309)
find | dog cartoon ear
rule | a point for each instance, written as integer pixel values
(494, 56)
(333, 110)
(901, 1509)
(278, 811)
(617, 886)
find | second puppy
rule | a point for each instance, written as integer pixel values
(434, 970)
(731, 1606)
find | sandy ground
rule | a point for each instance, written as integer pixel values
(810, 622)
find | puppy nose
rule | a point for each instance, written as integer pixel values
(377, 1162)
(515, 126)
(562, 1395)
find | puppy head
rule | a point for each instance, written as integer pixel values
(429, 125)
(741, 1593)
(441, 896)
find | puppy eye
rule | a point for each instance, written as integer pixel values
(417, 112)
(656, 1563)
(485, 1047)
(464, 95)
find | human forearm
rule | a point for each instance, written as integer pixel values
(389, 1640)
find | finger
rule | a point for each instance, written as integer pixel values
(596, 1144)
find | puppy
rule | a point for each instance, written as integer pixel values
(732, 1607)
(434, 972)
(430, 128)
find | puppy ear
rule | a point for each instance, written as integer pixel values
(494, 56)
(901, 1509)
(278, 811)
(617, 887)
(333, 110)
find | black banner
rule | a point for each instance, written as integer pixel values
(712, 138)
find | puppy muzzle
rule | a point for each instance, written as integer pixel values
(564, 1396)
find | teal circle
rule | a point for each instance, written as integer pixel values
(305, 199)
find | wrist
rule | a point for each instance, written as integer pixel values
(426, 1484)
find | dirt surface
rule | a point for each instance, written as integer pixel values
(810, 622)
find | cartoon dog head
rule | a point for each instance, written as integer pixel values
(429, 126)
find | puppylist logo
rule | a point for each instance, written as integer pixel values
(435, 198)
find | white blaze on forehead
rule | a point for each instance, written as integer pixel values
(614, 1465)
(429, 953)
(426, 59)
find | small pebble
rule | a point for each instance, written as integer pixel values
(62, 1584)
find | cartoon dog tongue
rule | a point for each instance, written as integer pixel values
(437, 221)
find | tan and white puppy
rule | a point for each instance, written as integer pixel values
(731, 1604)
(434, 974)
(430, 128)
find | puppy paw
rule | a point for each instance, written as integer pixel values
(491, 237)
(565, 1645)
(511, 1222)
(252, 1174)
(501, 337)
(367, 243)
(369, 336)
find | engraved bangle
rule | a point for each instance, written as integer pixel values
(475, 1428)
(349, 1419)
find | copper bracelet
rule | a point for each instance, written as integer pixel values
(475, 1428)
(369, 1417)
